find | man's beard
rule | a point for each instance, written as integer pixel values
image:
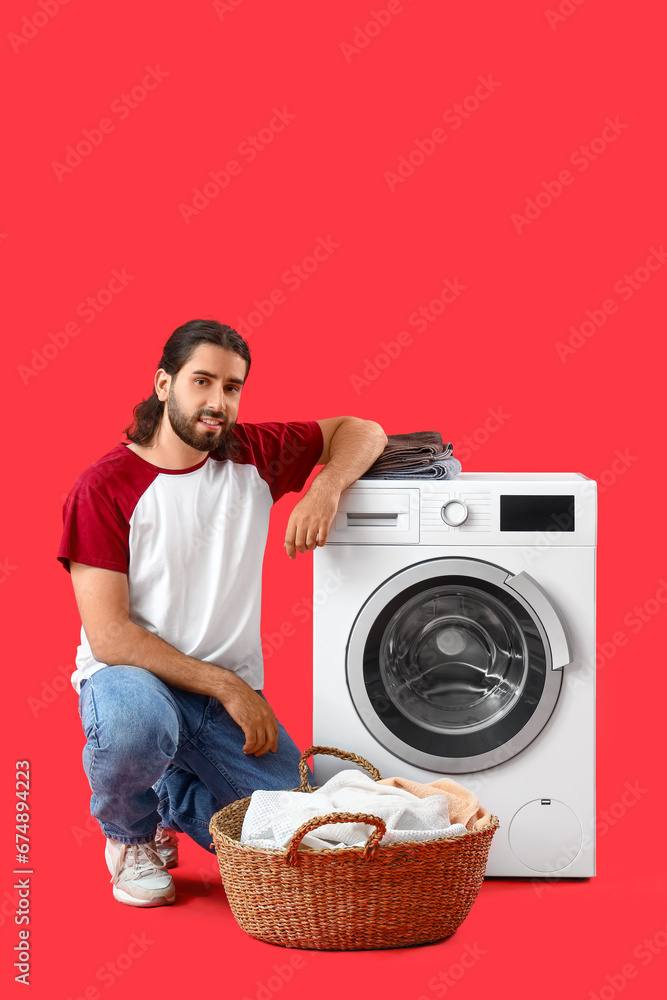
(221, 441)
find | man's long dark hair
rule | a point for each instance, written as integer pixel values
(182, 343)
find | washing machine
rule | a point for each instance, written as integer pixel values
(454, 634)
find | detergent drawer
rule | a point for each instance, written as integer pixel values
(376, 517)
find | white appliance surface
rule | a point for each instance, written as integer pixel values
(495, 684)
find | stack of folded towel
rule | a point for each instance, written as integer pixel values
(411, 811)
(418, 455)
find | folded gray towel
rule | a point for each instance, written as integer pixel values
(441, 468)
(411, 451)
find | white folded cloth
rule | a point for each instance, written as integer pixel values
(272, 817)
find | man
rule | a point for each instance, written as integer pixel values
(165, 546)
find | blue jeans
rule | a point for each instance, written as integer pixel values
(155, 753)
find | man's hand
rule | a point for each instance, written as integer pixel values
(252, 713)
(350, 446)
(103, 599)
(309, 522)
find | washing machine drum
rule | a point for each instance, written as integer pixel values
(451, 663)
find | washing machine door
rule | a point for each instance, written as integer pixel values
(455, 664)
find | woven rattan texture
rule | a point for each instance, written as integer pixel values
(382, 896)
(406, 894)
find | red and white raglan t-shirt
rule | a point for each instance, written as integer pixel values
(191, 541)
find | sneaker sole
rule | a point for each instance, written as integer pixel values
(124, 897)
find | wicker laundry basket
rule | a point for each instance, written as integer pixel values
(376, 896)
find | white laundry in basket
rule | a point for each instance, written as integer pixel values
(272, 817)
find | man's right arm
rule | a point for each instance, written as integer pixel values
(102, 597)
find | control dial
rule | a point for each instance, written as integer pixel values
(454, 512)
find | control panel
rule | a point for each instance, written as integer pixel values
(472, 509)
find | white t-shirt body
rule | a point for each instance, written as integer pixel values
(191, 541)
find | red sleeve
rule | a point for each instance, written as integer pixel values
(284, 454)
(95, 531)
(97, 512)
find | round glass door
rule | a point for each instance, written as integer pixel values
(453, 670)
(453, 658)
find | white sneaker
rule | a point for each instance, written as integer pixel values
(138, 874)
(166, 845)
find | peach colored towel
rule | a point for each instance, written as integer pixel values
(463, 805)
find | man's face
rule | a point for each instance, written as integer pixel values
(204, 396)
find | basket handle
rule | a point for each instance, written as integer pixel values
(333, 752)
(370, 847)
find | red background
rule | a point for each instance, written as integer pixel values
(555, 82)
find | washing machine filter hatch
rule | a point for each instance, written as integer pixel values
(452, 671)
